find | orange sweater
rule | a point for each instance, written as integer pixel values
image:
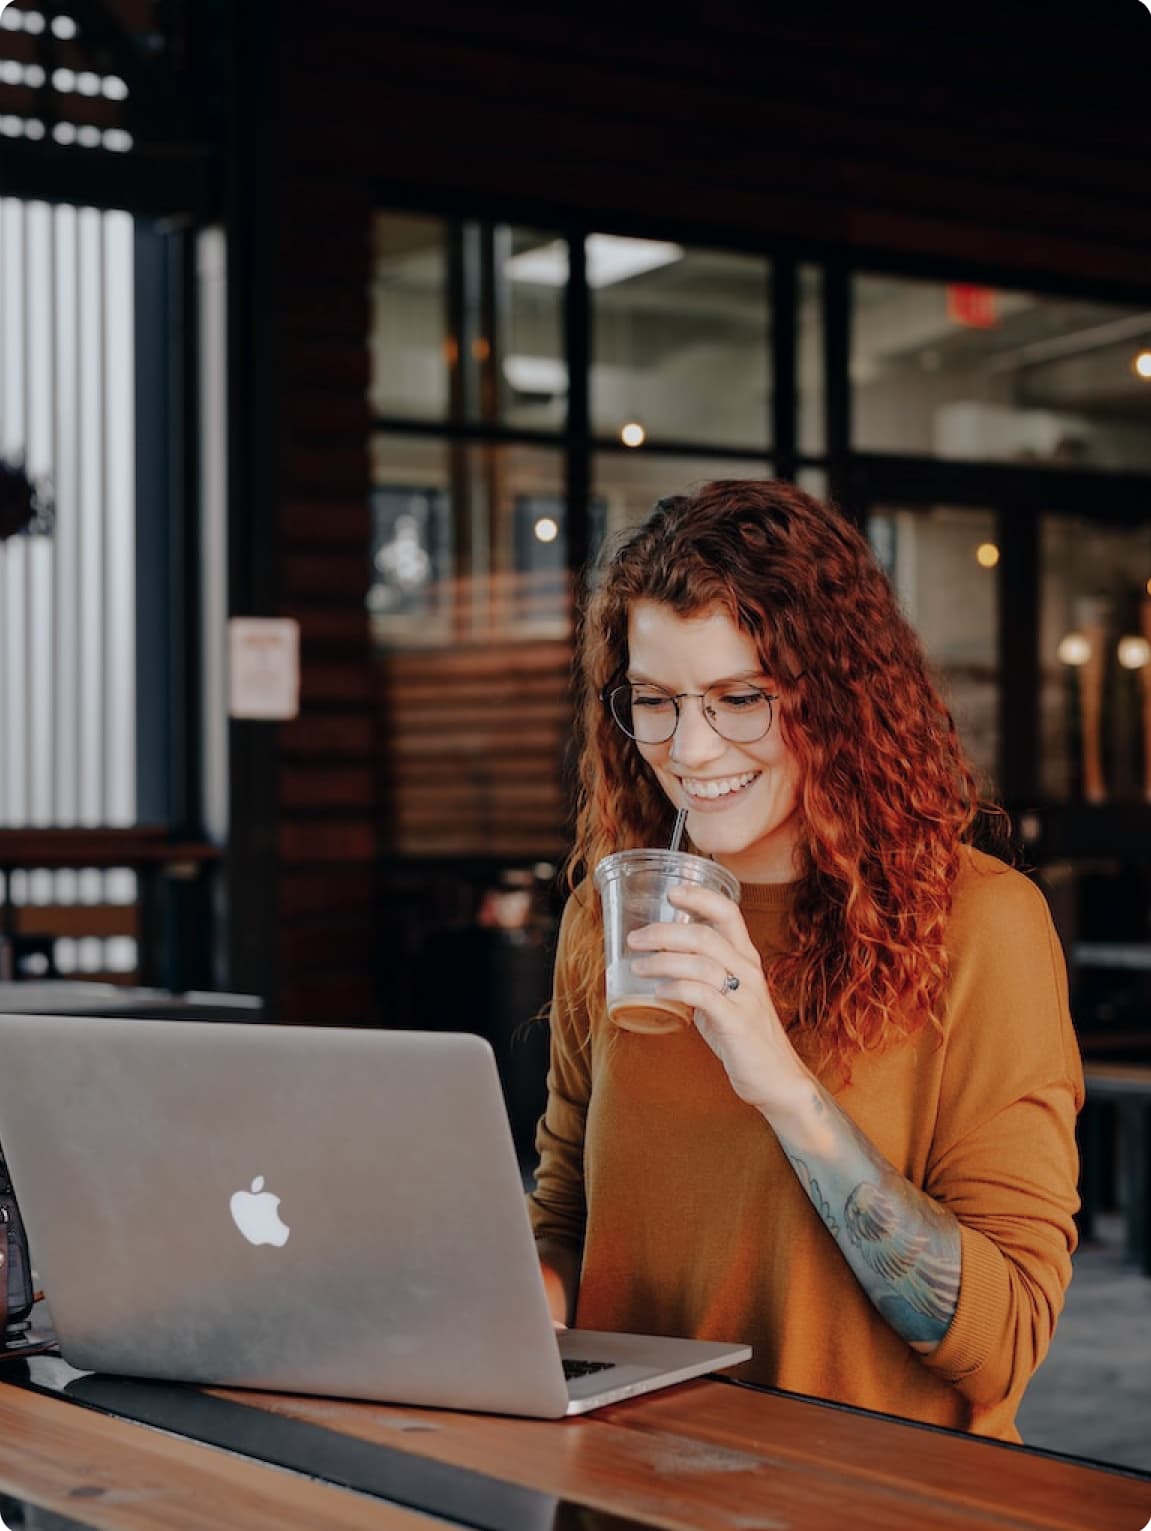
(693, 1223)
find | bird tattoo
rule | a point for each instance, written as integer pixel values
(924, 1274)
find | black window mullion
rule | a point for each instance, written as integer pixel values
(577, 341)
(783, 365)
(456, 340)
(1017, 591)
(493, 299)
(837, 385)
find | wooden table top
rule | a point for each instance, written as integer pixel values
(706, 1455)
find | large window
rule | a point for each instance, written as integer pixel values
(535, 391)
(955, 371)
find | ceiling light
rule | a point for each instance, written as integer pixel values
(633, 434)
(1133, 652)
(1074, 649)
(987, 555)
(536, 374)
(610, 258)
(1141, 364)
(546, 529)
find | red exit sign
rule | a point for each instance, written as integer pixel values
(971, 305)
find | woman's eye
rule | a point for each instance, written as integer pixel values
(736, 701)
(651, 701)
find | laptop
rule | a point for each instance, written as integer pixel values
(306, 1209)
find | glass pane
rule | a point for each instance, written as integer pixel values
(532, 377)
(941, 562)
(956, 371)
(475, 650)
(811, 427)
(408, 335)
(813, 481)
(627, 484)
(410, 592)
(1095, 648)
(679, 342)
(519, 584)
(468, 544)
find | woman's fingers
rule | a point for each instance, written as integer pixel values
(719, 912)
(726, 946)
(706, 999)
(672, 965)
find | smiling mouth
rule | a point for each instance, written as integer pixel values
(719, 787)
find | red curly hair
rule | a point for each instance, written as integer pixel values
(887, 796)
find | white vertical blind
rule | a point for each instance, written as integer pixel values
(67, 600)
(66, 687)
(212, 293)
(119, 523)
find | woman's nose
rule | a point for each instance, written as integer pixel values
(694, 740)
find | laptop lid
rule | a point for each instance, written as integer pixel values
(311, 1209)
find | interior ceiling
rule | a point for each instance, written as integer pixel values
(1061, 353)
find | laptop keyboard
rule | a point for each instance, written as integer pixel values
(585, 1368)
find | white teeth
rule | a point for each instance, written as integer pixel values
(719, 788)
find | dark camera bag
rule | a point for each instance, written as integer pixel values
(16, 1296)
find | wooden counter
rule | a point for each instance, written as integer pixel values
(706, 1455)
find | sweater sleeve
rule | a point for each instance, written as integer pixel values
(557, 1205)
(1003, 1157)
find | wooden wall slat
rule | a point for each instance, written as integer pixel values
(327, 522)
(305, 894)
(314, 573)
(342, 683)
(323, 628)
(330, 786)
(317, 735)
(324, 839)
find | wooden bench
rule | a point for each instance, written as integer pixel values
(1126, 1087)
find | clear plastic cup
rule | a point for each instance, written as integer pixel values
(633, 886)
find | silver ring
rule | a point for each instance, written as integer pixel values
(730, 983)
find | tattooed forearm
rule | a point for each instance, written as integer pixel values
(903, 1247)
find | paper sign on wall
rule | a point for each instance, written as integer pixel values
(264, 668)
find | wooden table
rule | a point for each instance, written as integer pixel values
(705, 1455)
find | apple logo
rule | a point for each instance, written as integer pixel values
(255, 1214)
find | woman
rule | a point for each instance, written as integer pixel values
(861, 1158)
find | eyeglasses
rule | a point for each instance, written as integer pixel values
(739, 713)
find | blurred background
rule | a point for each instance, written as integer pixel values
(375, 323)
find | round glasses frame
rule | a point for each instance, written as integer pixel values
(619, 700)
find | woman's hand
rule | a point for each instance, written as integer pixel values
(559, 1267)
(740, 1025)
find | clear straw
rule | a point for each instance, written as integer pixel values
(677, 832)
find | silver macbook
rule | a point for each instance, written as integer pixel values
(308, 1209)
